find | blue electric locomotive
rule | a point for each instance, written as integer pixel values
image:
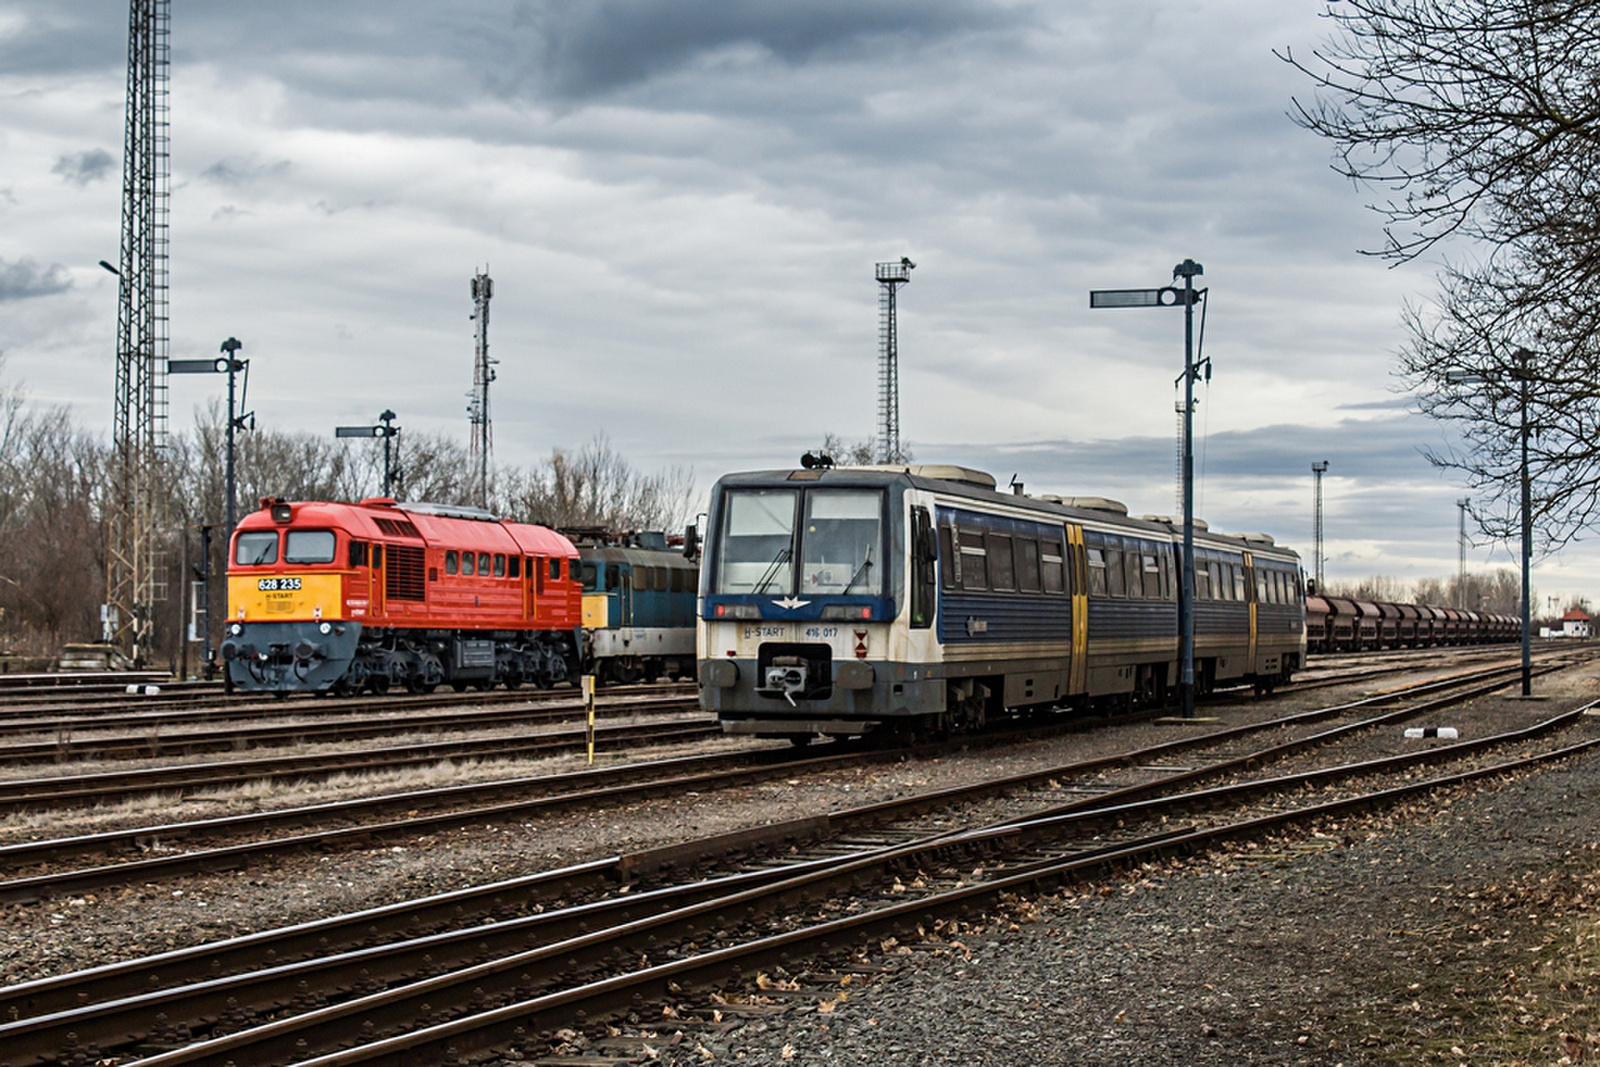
(638, 606)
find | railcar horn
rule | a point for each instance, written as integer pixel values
(816, 461)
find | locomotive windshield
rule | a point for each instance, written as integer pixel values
(842, 545)
(757, 550)
(256, 549)
(309, 546)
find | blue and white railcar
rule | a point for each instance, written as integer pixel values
(839, 601)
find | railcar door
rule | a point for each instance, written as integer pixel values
(1250, 592)
(1078, 675)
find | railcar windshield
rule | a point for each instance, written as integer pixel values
(757, 550)
(842, 543)
(256, 549)
(308, 546)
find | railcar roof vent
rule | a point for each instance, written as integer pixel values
(944, 472)
(1256, 538)
(1094, 503)
(453, 511)
(1175, 522)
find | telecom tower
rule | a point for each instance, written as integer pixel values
(1317, 470)
(139, 417)
(890, 277)
(482, 375)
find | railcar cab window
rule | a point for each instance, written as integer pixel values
(757, 550)
(256, 549)
(309, 546)
(842, 543)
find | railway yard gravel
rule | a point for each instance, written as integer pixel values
(1458, 929)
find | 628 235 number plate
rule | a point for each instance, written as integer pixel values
(275, 585)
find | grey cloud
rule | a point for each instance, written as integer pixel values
(26, 278)
(589, 49)
(81, 168)
(244, 170)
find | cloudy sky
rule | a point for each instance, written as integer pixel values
(681, 205)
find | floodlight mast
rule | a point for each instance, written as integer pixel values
(890, 277)
(1170, 296)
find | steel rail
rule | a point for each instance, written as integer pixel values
(469, 969)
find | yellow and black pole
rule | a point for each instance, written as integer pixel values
(588, 710)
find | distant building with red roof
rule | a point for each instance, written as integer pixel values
(1575, 623)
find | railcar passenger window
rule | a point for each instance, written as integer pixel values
(1263, 586)
(469, 563)
(1052, 571)
(499, 565)
(1152, 576)
(974, 559)
(1238, 582)
(1027, 550)
(947, 559)
(1116, 576)
(1202, 580)
(1097, 572)
(1219, 591)
(1131, 562)
(256, 549)
(452, 562)
(1002, 567)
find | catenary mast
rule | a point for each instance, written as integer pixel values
(139, 415)
(482, 375)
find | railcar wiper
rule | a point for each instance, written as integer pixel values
(861, 571)
(784, 555)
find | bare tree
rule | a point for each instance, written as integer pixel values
(1480, 120)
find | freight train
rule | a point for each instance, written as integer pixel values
(333, 597)
(907, 600)
(1344, 624)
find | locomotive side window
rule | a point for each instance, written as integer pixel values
(469, 563)
(555, 570)
(499, 565)
(1002, 566)
(256, 549)
(452, 562)
(358, 553)
(377, 556)
(514, 566)
(1097, 572)
(1051, 566)
(483, 564)
(1027, 564)
(591, 577)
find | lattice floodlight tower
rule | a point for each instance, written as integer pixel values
(139, 416)
(890, 277)
(482, 375)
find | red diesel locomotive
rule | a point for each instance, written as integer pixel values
(346, 597)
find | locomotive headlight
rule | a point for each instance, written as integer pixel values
(326, 628)
(236, 629)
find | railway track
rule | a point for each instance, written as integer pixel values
(430, 980)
